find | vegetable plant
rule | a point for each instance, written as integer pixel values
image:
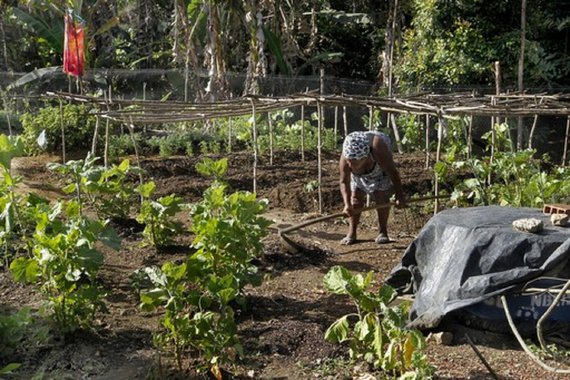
(78, 123)
(511, 177)
(108, 191)
(158, 216)
(376, 333)
(65, 263)
(197, 295)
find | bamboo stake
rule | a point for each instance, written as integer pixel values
(6, 110)
(566, 141)
(62, 131)
(427, 141)
(302, 133)
(335, 124)
(254, 126)
(230, 121)
(493, 141)
(345, 120)
(270, 139)
(440, 127)
(106, 153)
(95, 133)
(131, 129)
(470, 137)
(319, 157)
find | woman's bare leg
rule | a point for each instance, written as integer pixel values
(382, 197)
(357, 201)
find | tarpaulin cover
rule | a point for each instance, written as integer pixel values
(463, 256)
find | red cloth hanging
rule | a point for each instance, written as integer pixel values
(73, 56)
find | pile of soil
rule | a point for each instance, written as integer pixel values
(282, 329)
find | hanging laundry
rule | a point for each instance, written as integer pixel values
(73, 56)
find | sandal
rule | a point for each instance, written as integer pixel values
(348, 240)
(382, 239)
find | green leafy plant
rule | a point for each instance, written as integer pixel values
(513, 178)
(65, 263)
(376, 333)
(78, 123)
(158, 216)
(108, 191)
(17, 217)
(197, 294)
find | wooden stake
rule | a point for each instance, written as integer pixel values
(270, 139)
(302, 133)
(254, 126)
(345, 120)
(62, 131)
(319, 157)
(370, 117)
(470, 137)
(427, 141)
(230, 121)
(566, 141)
(441, 125)
(335, 125)
(95, 133)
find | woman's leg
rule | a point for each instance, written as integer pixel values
(382, 197)
(357, 201)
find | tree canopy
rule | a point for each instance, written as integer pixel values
(436, 44)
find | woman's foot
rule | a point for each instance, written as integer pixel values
(382, 239)
(348, 240)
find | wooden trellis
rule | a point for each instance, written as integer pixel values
(139, 112)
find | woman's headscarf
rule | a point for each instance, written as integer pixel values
(356, 146)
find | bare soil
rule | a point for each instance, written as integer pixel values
(282, 328)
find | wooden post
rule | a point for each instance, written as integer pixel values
(95, 133)
(254, 126)
(497, 85)
(62, 131)
(345, 120)
(534, 123)
(493, 141)
(470, 137)
(131, 128)
(396, 133)
(321, 125)
(106, 152)
(319, 157)
(370, 117)
(270, 138)
(566, 142)
(302, 133)
(335, 127)
(427, 141)
(441, 125)
(521, 72)
(230, 122)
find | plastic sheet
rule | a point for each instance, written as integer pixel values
(464, 256)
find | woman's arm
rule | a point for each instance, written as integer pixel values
(344, 182)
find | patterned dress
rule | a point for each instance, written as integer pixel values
(357, 145)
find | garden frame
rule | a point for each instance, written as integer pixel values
(442, 106)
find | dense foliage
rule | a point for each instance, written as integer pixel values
(437, 44)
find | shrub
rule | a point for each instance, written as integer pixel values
(78, 124)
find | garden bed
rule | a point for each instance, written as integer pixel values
(282, 328)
